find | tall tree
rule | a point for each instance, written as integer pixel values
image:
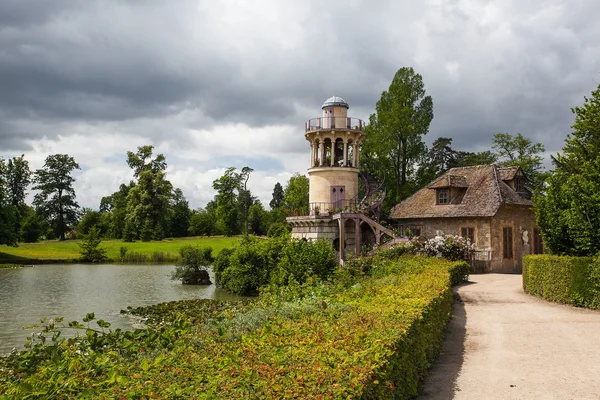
(295, 196)
(277, 199)
(441, 156)
(467, 159)
(245, 196)
(56, 198)
(8, 212)
(393, 144)
(204, 220)
(148, 202)
(180, 220)
(228, 187)
(142, 160)
(568, 210)
(115, 206)
(521, 151)
(18, 178)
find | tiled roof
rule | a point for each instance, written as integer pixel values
(449, 181)
(485, 192)
(507, 173)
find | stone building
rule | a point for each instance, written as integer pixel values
(337, 211)
(489, 205)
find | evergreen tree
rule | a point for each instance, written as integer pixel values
(56, 198)
(90, 250)
(277, 200)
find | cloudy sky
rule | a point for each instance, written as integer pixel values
(220, 83)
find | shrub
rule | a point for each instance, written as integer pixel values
(221, 263)
(563, 279)
(376, 340)
(251, 264)
(301, 259)
(279, 229)
(191, 267)
(90, 250)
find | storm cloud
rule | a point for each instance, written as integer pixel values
(212, 83)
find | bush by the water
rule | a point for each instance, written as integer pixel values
(250, 264)
(373, 339)
(90, 247)
(563, 279)
(258, 262)
(192, 264)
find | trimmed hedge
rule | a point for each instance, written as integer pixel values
(563, 279)
(375, 339)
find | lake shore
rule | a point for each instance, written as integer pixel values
(118, 251)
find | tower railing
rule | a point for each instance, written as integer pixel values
(323, 208)
(316, 124)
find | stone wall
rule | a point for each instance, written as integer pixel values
(522, 221)
(322, 178)
(489, 236)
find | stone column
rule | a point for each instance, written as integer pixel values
(356, 150)
(357, 238)
(342, 238)
(332, 151)
(321, 152)
(312, 154)
(345, 152)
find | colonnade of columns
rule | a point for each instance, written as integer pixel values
(318, 151)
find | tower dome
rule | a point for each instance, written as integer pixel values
(335, 101)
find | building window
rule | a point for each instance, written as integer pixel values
(538, 245)
(468, 233)
(413, 230)
(519, 184)
(507, 242)
(442, 196)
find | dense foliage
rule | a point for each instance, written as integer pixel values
(192, 264)
(373, 339)
(563, 279)
(568, 213)
(251, 264)
(256, 263)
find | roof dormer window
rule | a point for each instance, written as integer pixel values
(443, 196)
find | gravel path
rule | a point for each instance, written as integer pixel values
(504, 344)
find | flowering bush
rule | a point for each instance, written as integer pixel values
(451, 247)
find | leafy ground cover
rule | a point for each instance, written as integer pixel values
(149, 252)
(366, 335)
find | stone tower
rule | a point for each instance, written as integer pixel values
(334, 147)
(335, 212)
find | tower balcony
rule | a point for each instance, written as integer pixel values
(333, 123)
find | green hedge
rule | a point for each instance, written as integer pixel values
(563, 279)
(375, 339)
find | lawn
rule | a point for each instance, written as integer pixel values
(52, 250)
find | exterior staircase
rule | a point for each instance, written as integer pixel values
(370, 204)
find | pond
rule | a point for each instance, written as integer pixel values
(72, 290)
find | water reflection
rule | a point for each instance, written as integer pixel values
(72, 290)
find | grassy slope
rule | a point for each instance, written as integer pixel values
(69, 250)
